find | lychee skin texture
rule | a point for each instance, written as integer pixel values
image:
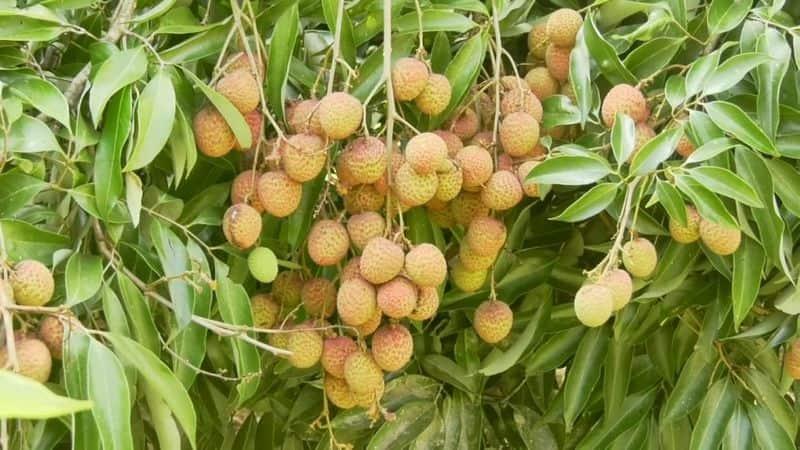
(503, 191)
(351, 270)
(339, 392)
(287, 288)
(241, 225)
(365, 226)
(625, 99)
(639, 257)
(240, 60)
(537, 40)
(427, 304)
(466, 124)
(720, 239)
(363, 198)
(426, 266)
(474, 262)
(493, 321)
(278, 193)
(541, 83)
(362, 374)
(522, 99)
(328, 242)
(483, 139)
(621, 286)
(302, 117)
(453, 142)
(689, 233)
(486, 236)
(306, 348)
(450, 182)
(265, 310)
(435, 97)
(33, 358)
(340, 115)
(425, 153)
(392, 347)
(241, 89)
(476, 165)
(255, 120)
(51, 332)
(32, 282)
(792, 359)
(381, 260)
(530, 188)
(303, 156)
(212, 134)
(409, 78)
(468, 206)
(356, 301)
(563, 26)
(685, 147)
(397, 298)
(335, 351)
(319, 297)
(365, 159)
(369, 327)
(593, 304)
(414, 188)
(557, 60)
(467, 280)
(519, 134)
(263, 264)
(242, 188)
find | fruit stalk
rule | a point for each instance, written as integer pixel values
(390, 112)
(613, 254)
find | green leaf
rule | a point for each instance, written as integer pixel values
(787, 184)
(83, 276)
(175, 262)
(199, 46)
(699, 73)
(155, 114)
(655, 151)
(462, 73)
(17, 190)
(411, 419)
(726, 183)
(715, 413)
(559, 110)
(569, 170)
(108, 155)
(739, 433)
(108, 390)
(498, 361)
(616, 376)
(169, 436)
(768, 394)
(733, 120)
(671, 200)
(34, 23)
(347, 45)
(24, 398)
(29, 135)
(707, 203)
(674, 266)
(445, 369)
(710, 149)
(591, 203)
(141, 320)
(190, 344)
(606, 56)
(725, 15)
(434, 20)
(114, 313)
(25, 241)
(133, 196)
(440, 53)
(623, 138)
(229, 112)
(118, 71)
(45, 97)
(634, 409)
(160, 379)
(580, 77)
(76, 354)
(652, 56)
(768, 433)
(584, 373)
(553, 352)
(280, 55)
(732, 71)
(770, 78)
(675, 90)
(748, 262)
(690, 387)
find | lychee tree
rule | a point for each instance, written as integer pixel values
(399, 224)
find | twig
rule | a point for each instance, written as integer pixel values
(337, 36)
(390, 110)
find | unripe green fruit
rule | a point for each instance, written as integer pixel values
(639, 257)
(593, 304)
(263, 264)
(621, 286)
(493, 321)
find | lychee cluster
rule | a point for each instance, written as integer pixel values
(720, 239)
(550, 43)
(413, 81)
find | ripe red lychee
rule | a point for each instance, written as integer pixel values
(519, 134)
(427, 304)
(476, 165)
(381, 260)
(485, 235)
(397, 298)
(328, 242)
(392, 347)
(435, 97)
(335, 351)
(32, 283)
(212, 134)
(465, 124)
(241, 225)
(522, 99)
(356, 301)
(319, 297)
(621, 286)
(413, 188)
(688, 233)
(303, 156)
(593, 304)
(340, 115)
(639, 257)
(409, 78)
(625, 99)
(278, 193)
(241, 88)
(425, 153)
(720, 239)
(493, 321)
(563, 26)
(266, 310)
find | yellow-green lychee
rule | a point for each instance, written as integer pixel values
(381, 260)
(263, 264)
(32, 283)
(212, 134)
(392, 347)
(450, 180)
(502, 191)
(362, 374)
(720, 239)
(467, 280)
(287, 288)
(306, 348)
(369, 327)
(537, 39)
(339, 393)
(328, 242)
(425, 153)
(639, 257)
(427, 304)
(413, 188)
(686, 234)
(467, 206)
(474, 262)
(340, 115)
(363, 227)
(621, 286)
(266, 310)
(435, 96)
(542, 83)
(593, 304)
(493, 321)
(363, 198)
(791, 359)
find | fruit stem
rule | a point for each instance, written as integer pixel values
(611, 260)
(390, 112)
(337, 36)
(498, 61)
(421, 46)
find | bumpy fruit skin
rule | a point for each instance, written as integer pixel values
(521, 99)
(485, 236)
(425, 153)
(483, 139)
(278, 193)
(392, 347)
(689, 233)
(468, 206)
(563, 26)
(593, 304)
(340, 115)
(263, 264)
(335, 351)
(792, 359)
(51, 332)
(365, 226)
(339, 392)
(409, 77)
(625, 99)
(466, 124)
(32, 282)
(240, 60)
(328, 242)
(369, 327)
(530, 188)
(557, 60)
(356, 301)
(280, 340)
(212, 134)
(453, 142)
(414, 188)
(255, 121)
(537, 39)
(287, 288)
(493, 321)
(351, 270)
(306, 348)
(427, 304)
(503, 191)
(363, 198)
(474, 262)
(639, 257)
(476, 165)
(364, 160)
(541, 83)
(302, 117)
(441, 217)
(450, 181)
(426, 266)
(381, 260)
(467, 280)
(266, 310)
(621, 286)
(241, 225)
(720, 239)
(519, 134)
(242, 189)
(33, 358)
(241, 88)
(435, 97)
(362, 374)
(303, 156)
(319, 297)
(397, 298)
(685, 146)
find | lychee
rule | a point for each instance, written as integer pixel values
(266, 310)
(541, 83)
(319, 297)
(362, 374)
(351, 270)
(643, 134)
(339, 393)
(639, 257)
(32, 282)
(335, 351)
(369, 327)
(465, 124)
(363, 198)
(452, 141)
(51, 332)
(278, 193)
(427, 304)
(302, 117)
(356, 301)
(688, 233)
(474, 262)
(509, 82)
(263, 264)
(537, 39)
(33, 358)
(450, 181)
(306, 348)
(493, 321)
(212, 134)
(397, 298)
(483, 139)
(425, 153)
(476, 165)
(519, 133)
(468, 206)
(522, 99)
(409, 78)
(435, 97)
(255, 121)
(530, 188)
(381, 260)
(626, 99)
(467, 280)
(485, 235)
(557, 60)
(563, 26)
(505, 162)
(303, 156)
(241, 225)
(443, 218)
(242, 190)
(287, 288)
(685, 146)
(792, 359)
(621, 286)
(364, 159)
(241, 60)
(593, 304)
(425, 265)
(241, 89)
(503, 191)
(365, 226)
(392, 347)
(720, 239)
(281, 340)
(328, 242)
(414, 188)
(340, 115)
